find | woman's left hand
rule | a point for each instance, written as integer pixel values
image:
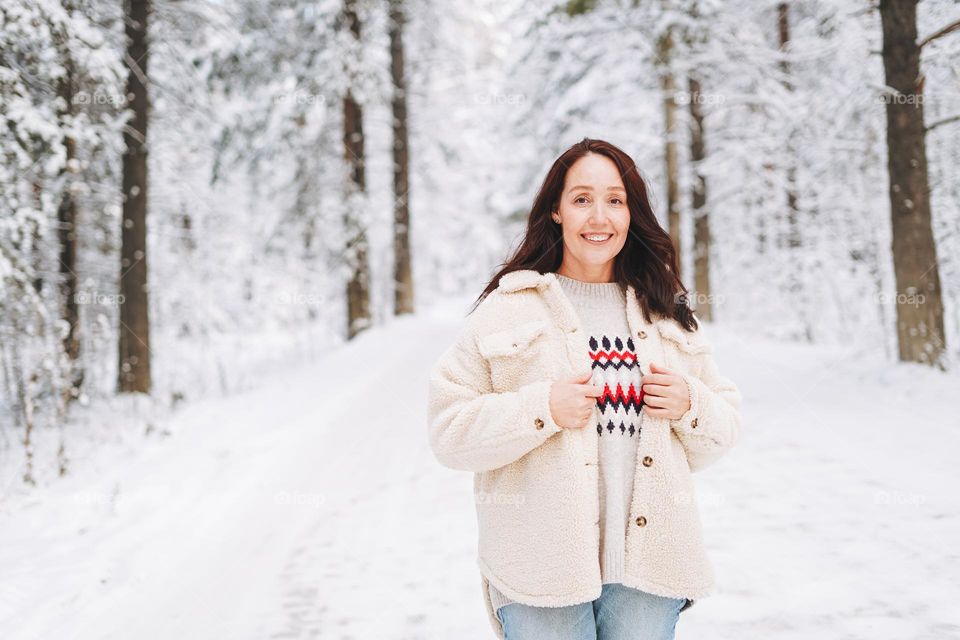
(665, 394)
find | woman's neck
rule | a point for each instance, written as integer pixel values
(602, 273)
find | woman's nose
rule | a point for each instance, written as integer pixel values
(598, 213)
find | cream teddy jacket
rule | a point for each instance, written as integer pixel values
(536, 484)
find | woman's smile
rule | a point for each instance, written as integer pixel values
(596, 238)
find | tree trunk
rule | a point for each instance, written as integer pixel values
(403, 275)
(134, 352)
(665, 49)
(358, 286)
(920, 329)
(793, 218)
(67, 236)
(701, 220)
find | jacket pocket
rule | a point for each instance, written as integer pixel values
(691, 343)
(512, 341)
(513, 353)
(685, 350)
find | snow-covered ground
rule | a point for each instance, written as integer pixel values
(312, 507)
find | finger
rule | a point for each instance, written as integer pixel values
(657, 378)
(655, 368)
(653, 412)
(657, 389)
(658, 402)
(591, 390)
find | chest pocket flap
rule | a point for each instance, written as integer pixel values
(512, 341)
(692, 343)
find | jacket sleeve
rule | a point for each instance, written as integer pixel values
(474, 429)
(712, 424)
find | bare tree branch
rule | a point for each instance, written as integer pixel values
(947, 120)
(953, 26)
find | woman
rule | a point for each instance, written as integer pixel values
(582, 395)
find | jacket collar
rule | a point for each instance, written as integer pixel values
(559, 303)
(549, 287)
(567, 317)
(522, 279)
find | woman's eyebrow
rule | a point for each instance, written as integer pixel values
(589, 188)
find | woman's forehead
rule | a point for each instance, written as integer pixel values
(594, 171)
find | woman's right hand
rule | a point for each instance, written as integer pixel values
(572, 401)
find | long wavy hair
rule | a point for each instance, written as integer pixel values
(648, 259)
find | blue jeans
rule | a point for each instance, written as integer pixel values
(620, 613)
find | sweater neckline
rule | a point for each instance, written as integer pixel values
(595, 291)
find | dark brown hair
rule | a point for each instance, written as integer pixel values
(648, 259)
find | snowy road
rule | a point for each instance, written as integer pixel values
(313, 508)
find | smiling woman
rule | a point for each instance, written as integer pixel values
(586, 326)
(594, 189)
(594, 217)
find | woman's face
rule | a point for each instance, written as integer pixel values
(594, 217)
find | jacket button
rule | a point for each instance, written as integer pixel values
(539, 423)
(647, 461)
(641, 334)
(641, 521)
(694, 423)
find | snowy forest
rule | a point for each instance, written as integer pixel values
(200, 198)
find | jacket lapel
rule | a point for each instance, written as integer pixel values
(561, 307)
(549, 287)
(560, 304)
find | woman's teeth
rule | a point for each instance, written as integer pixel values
(596, 238)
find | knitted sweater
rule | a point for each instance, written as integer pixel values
(601, 308)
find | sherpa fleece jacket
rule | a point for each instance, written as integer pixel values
(536, 484)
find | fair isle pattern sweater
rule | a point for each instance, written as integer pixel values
(601, 307)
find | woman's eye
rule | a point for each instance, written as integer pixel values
(616, 200)
(580, 199)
